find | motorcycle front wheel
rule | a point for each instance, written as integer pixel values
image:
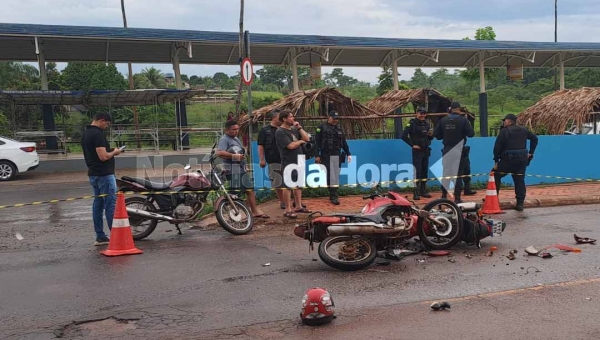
(141, 227)
(237, 224)
(347, 253)
(445, 237)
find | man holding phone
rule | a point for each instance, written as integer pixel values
(99, 157)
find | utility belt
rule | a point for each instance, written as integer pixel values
(519, 155)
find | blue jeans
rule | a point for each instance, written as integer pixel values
(103, 185)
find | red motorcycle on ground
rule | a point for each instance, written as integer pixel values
(182, 200)
(352, 241)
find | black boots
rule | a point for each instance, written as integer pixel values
(420, 191)
(468, 190)
(334, 198)
(424, 190)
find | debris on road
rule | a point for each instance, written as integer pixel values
(438, 253)
(266, 264)
(491, 251)
(19, 237)
(511, 255)
(567, 248)
(531, 250)
(440, 305)
(580, 240)
(536, 270)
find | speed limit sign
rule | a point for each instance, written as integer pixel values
(247, 71)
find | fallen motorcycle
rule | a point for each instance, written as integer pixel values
(182, 200)
(476, 227)
(352, 241)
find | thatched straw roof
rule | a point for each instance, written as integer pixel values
(302, 104)
(392, 100)
(555, 111)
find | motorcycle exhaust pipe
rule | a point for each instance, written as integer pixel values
(339, 230)
(147, 214)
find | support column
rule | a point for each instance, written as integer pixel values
(295, 72)
(562, 74)
(295, 76)
(397, 121)
(483, 114)
(180, 109)
(176, 69)
(395, 75)
(47, 112)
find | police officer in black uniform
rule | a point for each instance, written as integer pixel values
(418, 135)
(331, 141)
(453, 130)
(467, 162)
(511, 155)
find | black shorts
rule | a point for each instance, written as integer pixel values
(240, 183)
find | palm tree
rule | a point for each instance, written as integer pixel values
(155, 77)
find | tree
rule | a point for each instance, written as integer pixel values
(18, 76)
(220, 79)
(386, 82)
(92, 76)
(472, 75)
(419, 79)
(53, 77)
(155, 77)
(338, 78)
(141, 82)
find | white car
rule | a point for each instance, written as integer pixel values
(16, 157)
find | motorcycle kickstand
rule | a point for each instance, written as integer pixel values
(178, 230)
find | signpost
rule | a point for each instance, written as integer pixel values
(247, 77)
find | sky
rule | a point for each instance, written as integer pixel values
(516, 20)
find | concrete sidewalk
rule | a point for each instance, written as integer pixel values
(537, 196)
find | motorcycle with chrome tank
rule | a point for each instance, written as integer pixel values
(352, 241)
(182, 200)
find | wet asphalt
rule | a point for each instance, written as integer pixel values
(207, 280)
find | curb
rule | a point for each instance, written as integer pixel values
(552, 202)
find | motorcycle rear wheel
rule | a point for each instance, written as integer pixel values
(337, 261)
(225, 213)
(457, 226)
(135, 221)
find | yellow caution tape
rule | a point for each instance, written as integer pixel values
(271, 189)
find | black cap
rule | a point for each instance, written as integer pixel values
(334, 114)
(455, 105)
(421, 109)
(511, 117)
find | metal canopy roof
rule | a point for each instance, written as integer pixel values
(97, 97)
(142, 45)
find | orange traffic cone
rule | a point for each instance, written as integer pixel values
(491, 203)
(121, 239)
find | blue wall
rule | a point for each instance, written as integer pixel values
(561, 155)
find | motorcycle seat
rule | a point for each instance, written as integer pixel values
(154, 186)
(372, 218)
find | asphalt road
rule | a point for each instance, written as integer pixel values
(207, 283)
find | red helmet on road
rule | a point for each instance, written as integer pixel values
(317, 307)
